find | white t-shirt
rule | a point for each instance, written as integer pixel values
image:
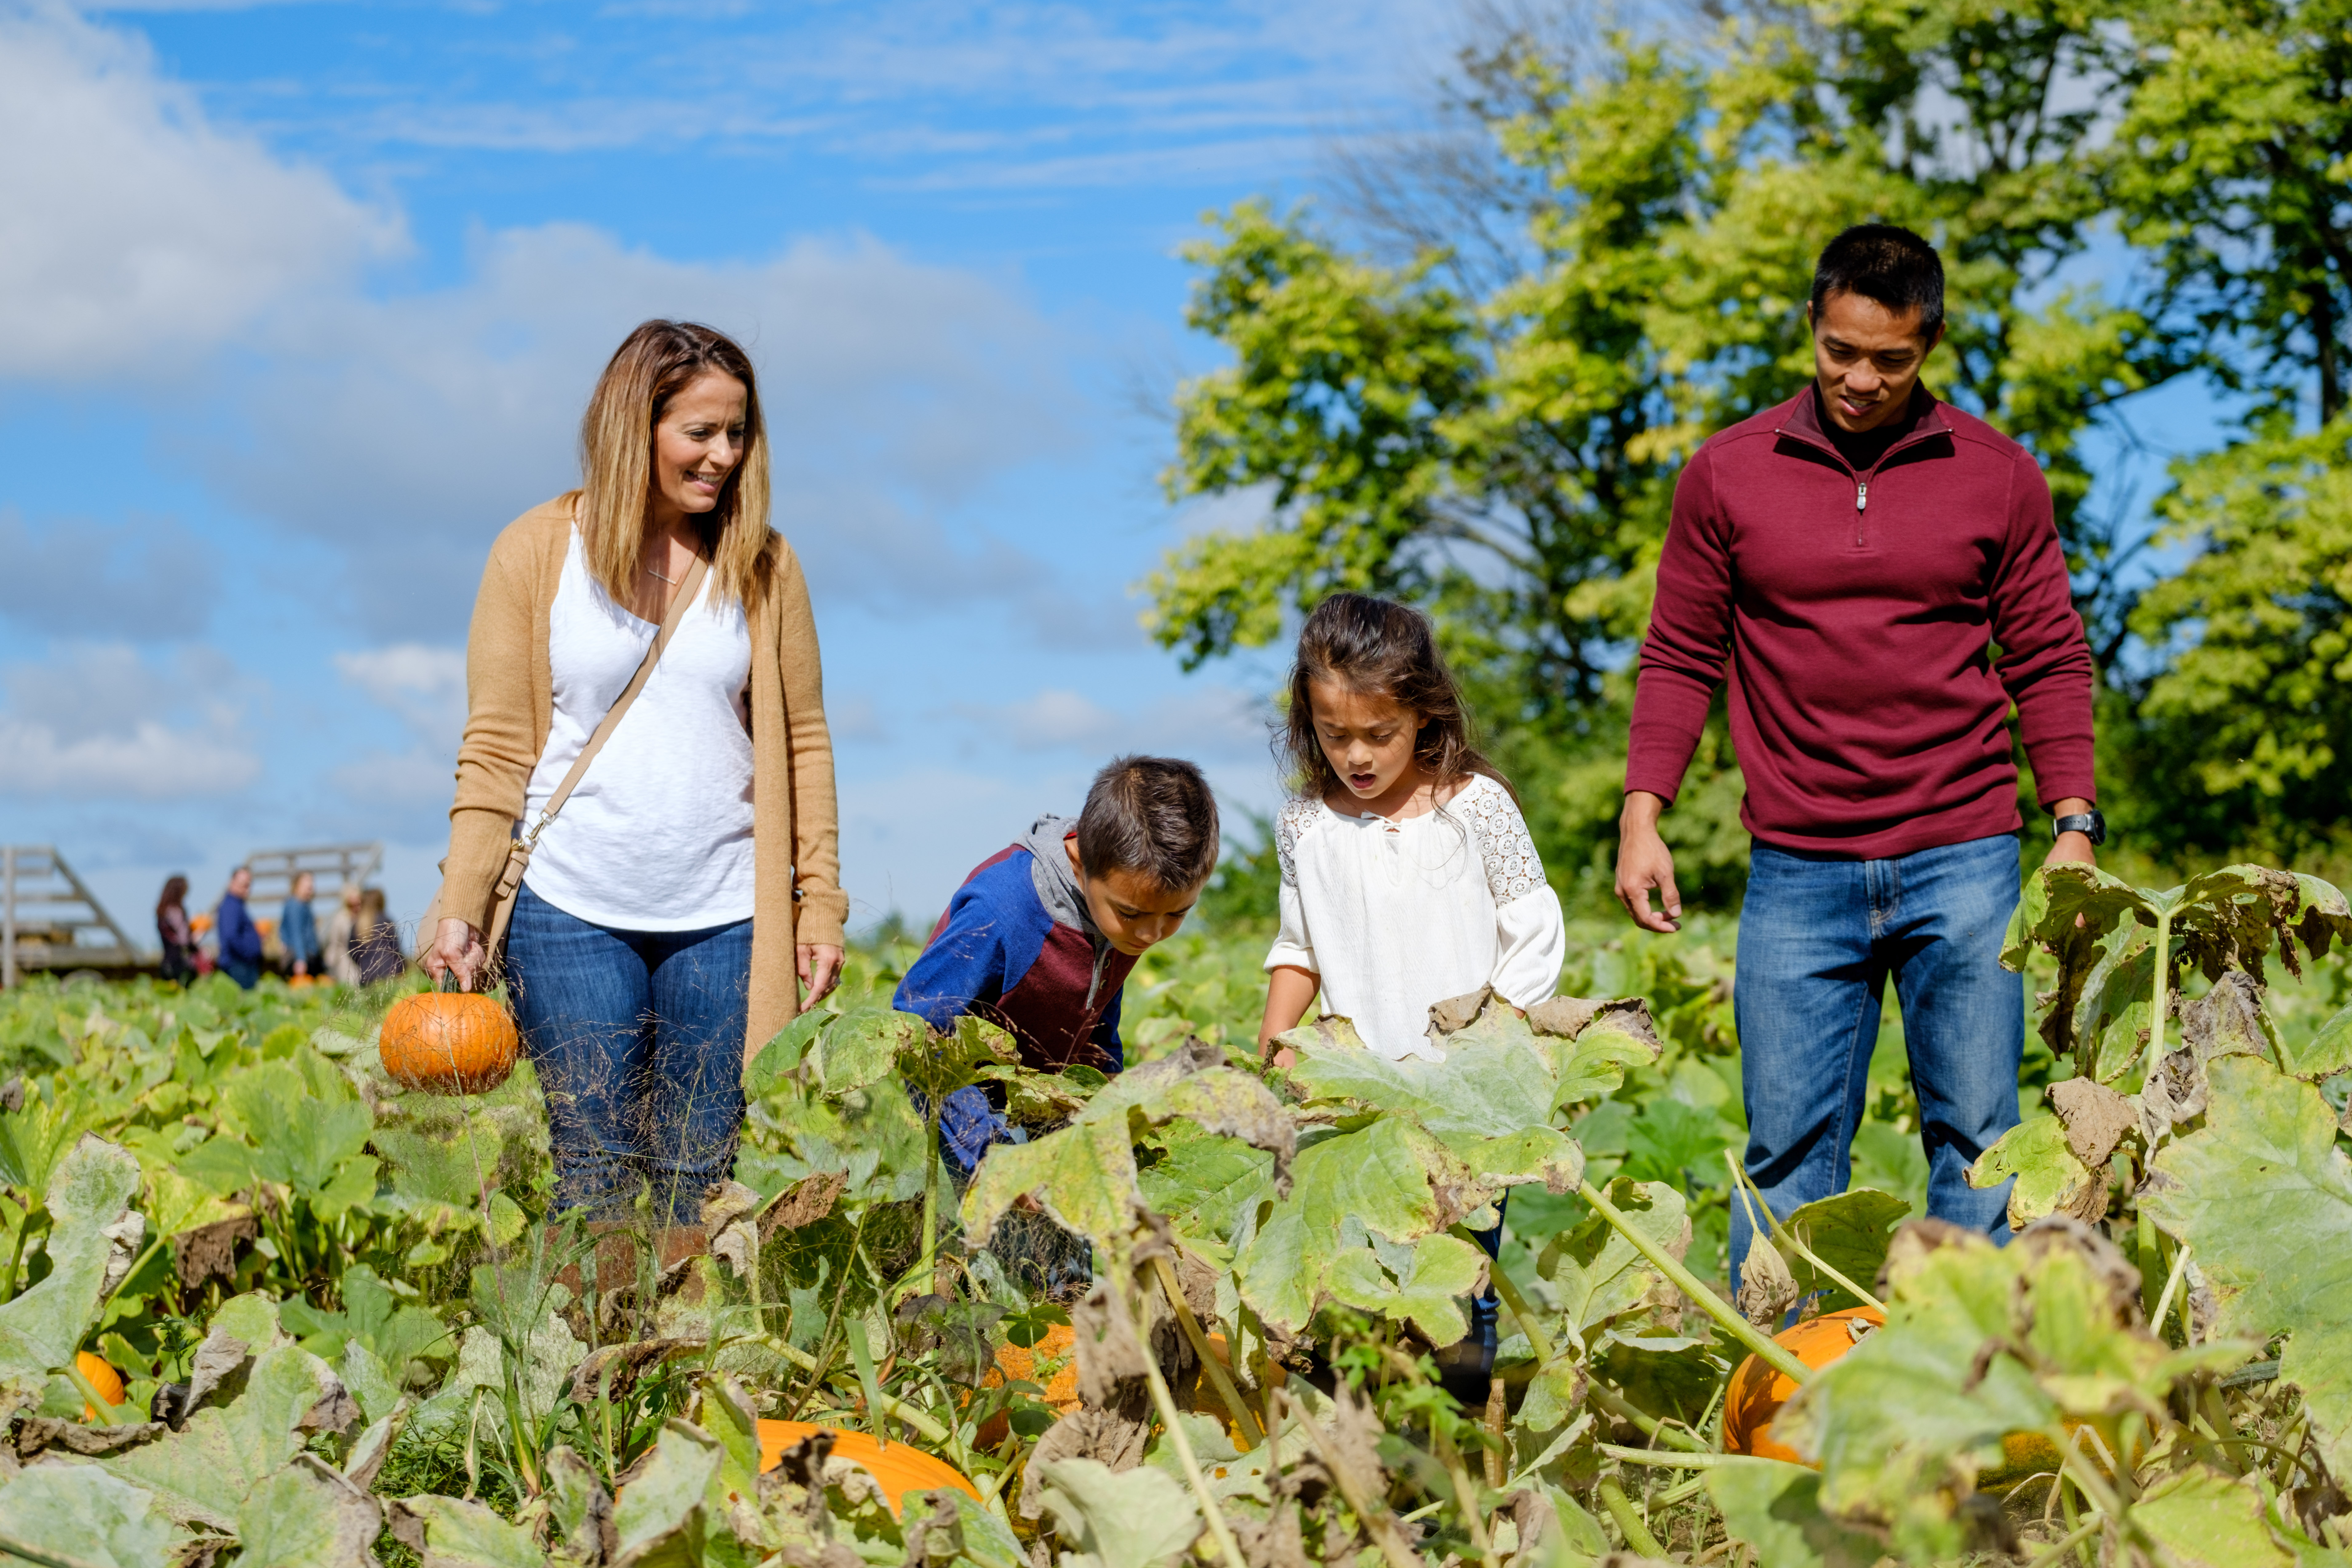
(658, 836)
(1397, 917)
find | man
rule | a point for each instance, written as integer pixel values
(240, 940)
(1854, 557)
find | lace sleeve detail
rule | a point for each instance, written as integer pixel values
(1291, 822)
(1513, 868)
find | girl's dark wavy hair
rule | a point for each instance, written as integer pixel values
(1382, 650)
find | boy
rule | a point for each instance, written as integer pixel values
(1042, 935)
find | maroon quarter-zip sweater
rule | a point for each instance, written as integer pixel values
(1858, 613)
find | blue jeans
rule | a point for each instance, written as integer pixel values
(1818, 939)
(639, 1041)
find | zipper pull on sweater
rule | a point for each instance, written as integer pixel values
(1861, 493)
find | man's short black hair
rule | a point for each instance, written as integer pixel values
(1153, 816)
(1886, 262)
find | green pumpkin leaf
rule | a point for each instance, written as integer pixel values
(1775, 1509)
(88, 1193)
(81, 1513)
(1848, 1232)
(2049, 1176)
(2264, 1199)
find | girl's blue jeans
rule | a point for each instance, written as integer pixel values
(639, 1041)
(1819, 938)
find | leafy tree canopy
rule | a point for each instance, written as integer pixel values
(1478, 394)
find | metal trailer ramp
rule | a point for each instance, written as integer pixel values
(49, 921)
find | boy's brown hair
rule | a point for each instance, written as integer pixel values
(1152, 815)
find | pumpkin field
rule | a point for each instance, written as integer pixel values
(268, 1304)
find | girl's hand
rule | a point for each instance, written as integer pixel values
(1283, 1059)
(457, 946)
(820, 967)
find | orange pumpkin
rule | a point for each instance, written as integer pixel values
(448, 1042)
(1758, 1392)
(1019, 1363)
(897, 1469)
(102, 1377)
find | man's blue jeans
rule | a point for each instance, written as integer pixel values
(639, 1041)
(1818, 939)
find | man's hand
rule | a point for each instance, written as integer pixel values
(1643, 862)
(820, 967)
(456, 947)
(2071, 847)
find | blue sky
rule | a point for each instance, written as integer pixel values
(299, 303)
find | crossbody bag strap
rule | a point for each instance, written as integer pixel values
(687, 588)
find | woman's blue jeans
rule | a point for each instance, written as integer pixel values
(1818, 940)
(639, 1041)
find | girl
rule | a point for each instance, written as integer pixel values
(1408, 876)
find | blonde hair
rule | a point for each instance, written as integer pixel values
(614, 506)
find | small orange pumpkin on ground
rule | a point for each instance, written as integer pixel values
(897, 1469)
(1019, 1363)
(1758, 1392)
(448, 1042)
(102, 1377)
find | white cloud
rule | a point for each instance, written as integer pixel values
(408, 430)
(99, 720)
(419, 776)
(424, 686)
(1214, 722)
(141, 237)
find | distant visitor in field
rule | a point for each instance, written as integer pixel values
(645, 783)
(239, 938)
(297, 927)
(173, 932)
(375, 941)
(1043, 934)
(336, 937)
(1408, 874)
(1850, 558)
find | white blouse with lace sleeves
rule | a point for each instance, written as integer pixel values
(1395, 917)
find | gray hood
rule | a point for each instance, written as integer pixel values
(1057, 887)
(1050, 873)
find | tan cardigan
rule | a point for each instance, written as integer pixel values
(509, 705)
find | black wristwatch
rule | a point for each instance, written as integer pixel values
(2090, 824)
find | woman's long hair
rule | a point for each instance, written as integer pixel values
(176, 895)
(1378, 648)
(614, 504)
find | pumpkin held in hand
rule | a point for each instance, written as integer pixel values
(1758, 1392)
(448, 1042)
(897, 1469)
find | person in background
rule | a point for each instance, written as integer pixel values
(171, 929)
(375, 941)
(240, 939)
(342, 928)
(298, 928)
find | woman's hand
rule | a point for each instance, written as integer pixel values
(820, 967)
(458, 947)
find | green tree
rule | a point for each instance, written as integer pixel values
(2232, 171)
(1504, 453)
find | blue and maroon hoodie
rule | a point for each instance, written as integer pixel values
(1018, 948)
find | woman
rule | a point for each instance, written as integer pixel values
(298, 930)
(171, 930)
(652, 952)
(375, 941)
(342, 927)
